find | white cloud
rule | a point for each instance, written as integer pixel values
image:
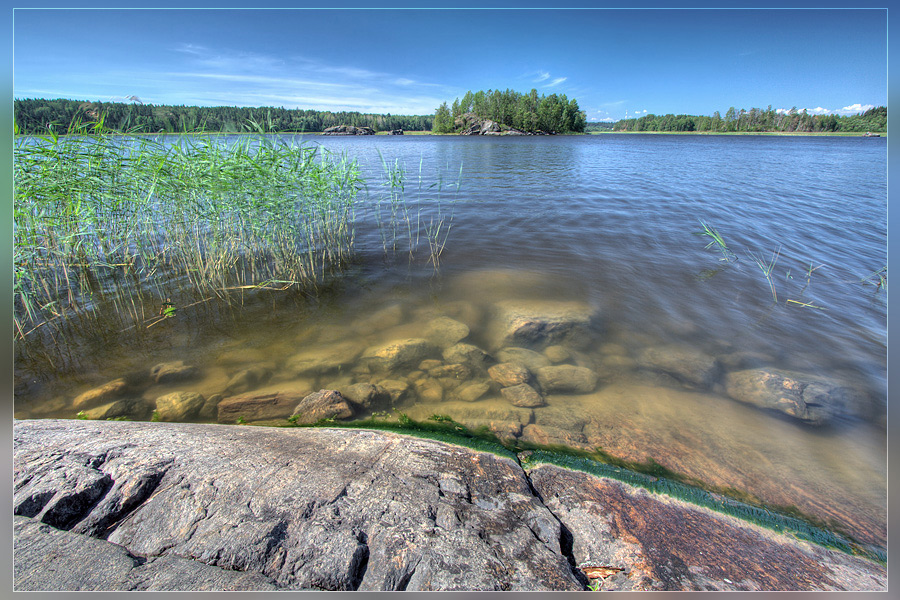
(855, 108)
(556, 81)
(541, 76)
(847, 110)
(213, 76)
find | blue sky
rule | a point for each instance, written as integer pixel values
(616, 63)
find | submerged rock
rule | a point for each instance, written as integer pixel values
(522, 395)
(685, 364)
(530, 359)
(317, 360)
(813, 400)
(557, 354)
(472, 391)
(467, 354)
(444, 331)
(258, 406)
(548, 435)
(398, 389)
(171, 372)
(210, 409)
(324, 404)
(398, 353)
(428, 390)
(369, 396)
(566, 379)
(540, 323)
(248, 379)
(100, 395)
(385, 318)
(179, 406)
(126, 407)
(509, 374)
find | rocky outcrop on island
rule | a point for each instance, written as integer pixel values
(348, 130)
(470, 124)
(166, 506)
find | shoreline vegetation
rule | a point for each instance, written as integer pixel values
(114, 232)
(507, 112)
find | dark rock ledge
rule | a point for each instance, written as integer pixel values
(166, 506)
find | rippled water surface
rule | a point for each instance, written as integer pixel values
(604, 224)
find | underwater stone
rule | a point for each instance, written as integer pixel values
(466, 354)
(398, 353)
(813, 400)
(453, 371)
(429, 390)
(444, 331)
(99, 395)
(557, 354)
(528, 358)
(566, 378)
(509, 373)
(472, 391)
(258, 406)
(170, 372)
(179, 406)
(539, 323)
(369, 396)
(397, 388)
(685, 364)
(126, 407)
(248, 379)
(522, 395)
(322, 359)
(210, 409)
(324, 404)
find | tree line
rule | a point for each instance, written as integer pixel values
(39, 116)
(526, 112)
(758, 120)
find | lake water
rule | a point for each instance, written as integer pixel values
(605, 224)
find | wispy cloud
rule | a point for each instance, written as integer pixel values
(845, 111)
(555, 82)
(220, 75)
(855, 108)
(541, 76)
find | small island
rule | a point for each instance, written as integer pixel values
(509, 113)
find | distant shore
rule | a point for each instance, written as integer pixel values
(388, 133)
(782, 133)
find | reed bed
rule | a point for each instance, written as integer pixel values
(115, 232)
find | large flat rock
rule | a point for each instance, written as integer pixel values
(331, 509)
(169, 506)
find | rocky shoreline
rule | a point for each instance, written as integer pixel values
(170, 506)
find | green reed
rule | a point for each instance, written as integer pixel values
(106, 227)
(717, 241)
(767, 267)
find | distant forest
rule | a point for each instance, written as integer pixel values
(37, 116)
(759, 120)
(526, 112)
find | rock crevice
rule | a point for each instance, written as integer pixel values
(181, 506)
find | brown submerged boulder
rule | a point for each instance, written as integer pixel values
(813, 400)
(324, 404)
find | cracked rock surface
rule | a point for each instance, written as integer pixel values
(169, 506)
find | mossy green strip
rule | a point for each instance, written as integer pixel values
(758, 515)
(649, 475)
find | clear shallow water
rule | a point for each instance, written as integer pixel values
(607, 221)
